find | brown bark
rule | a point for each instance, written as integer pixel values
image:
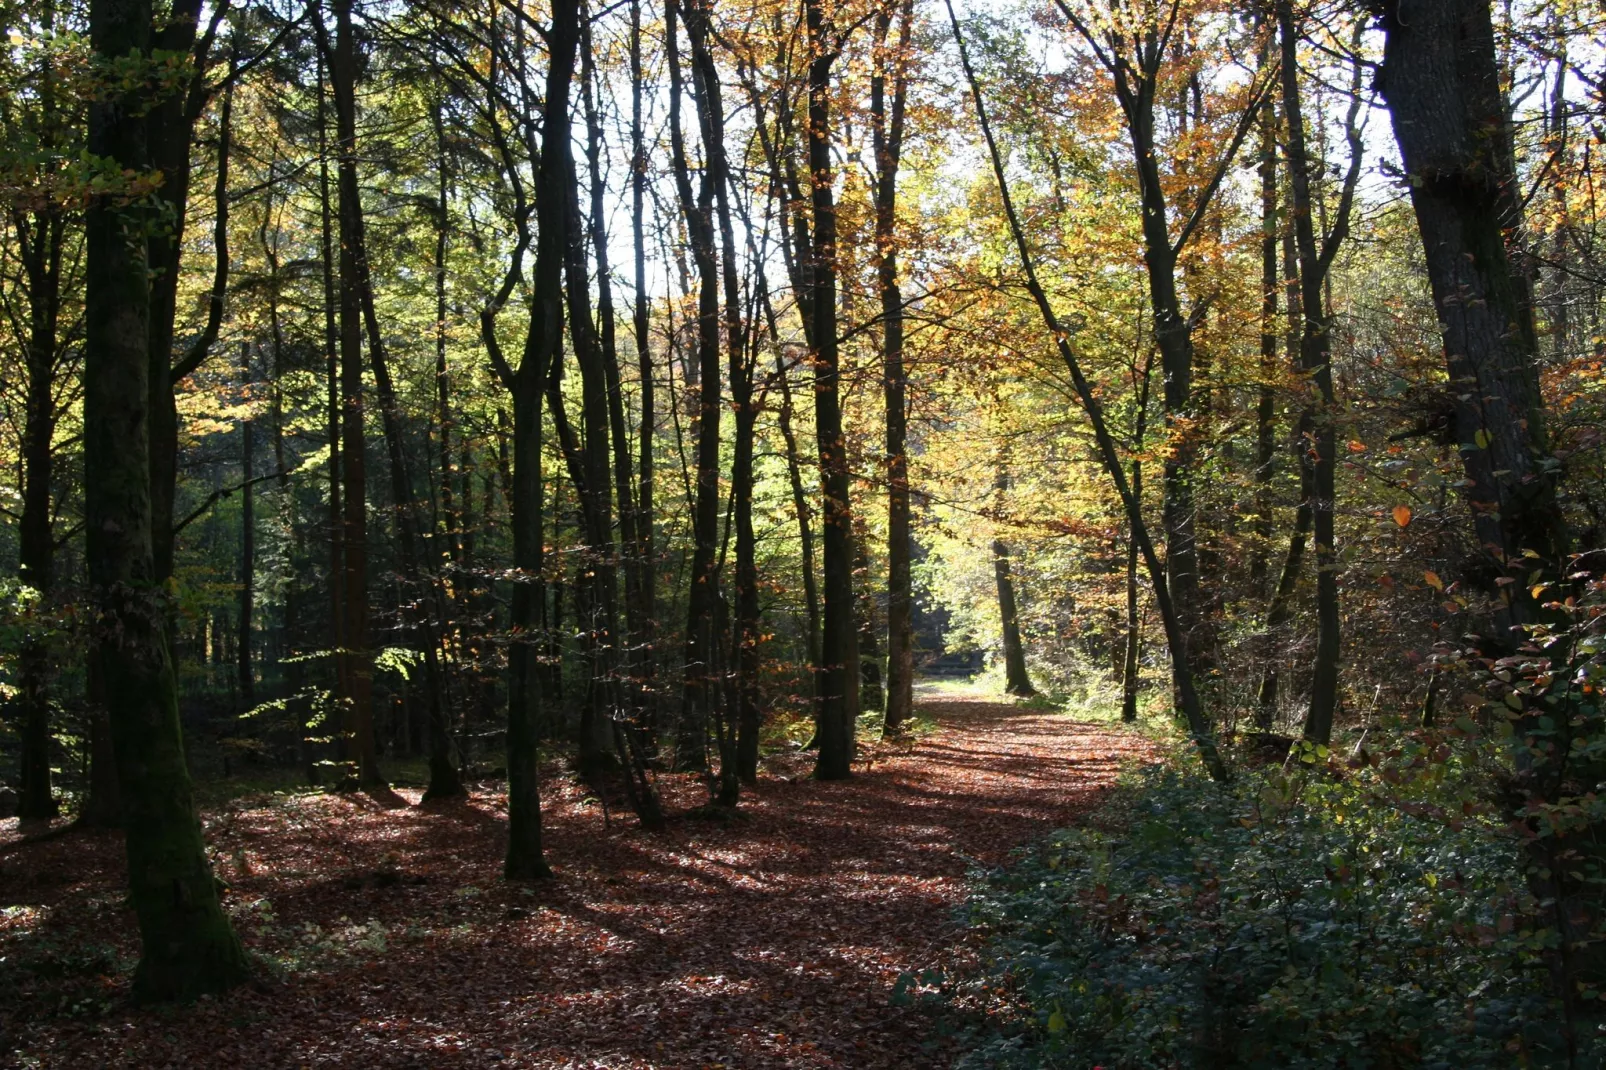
(187, 945)
(836, 701)
(887, 134)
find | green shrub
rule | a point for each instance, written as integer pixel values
(1289, 920)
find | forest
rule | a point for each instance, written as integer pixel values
(838, 533)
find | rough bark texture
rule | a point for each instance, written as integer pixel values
(1442, 84)
(187, 945)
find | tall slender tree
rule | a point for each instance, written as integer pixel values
(887, 123)
(837, 678)
(360, 747)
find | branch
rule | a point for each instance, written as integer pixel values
(223, 492)
(220, 240)
(1245, 121)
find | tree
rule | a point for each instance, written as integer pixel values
(188, 946)
(1315, 437)
(46, 233)
(528, 386)
(1136, 49)
(698, 210)
(837, 679)
(888, 124)
(1443, 89)
(359, 748)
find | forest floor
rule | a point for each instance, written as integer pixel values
(388, 938)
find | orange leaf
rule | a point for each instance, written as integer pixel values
(1433, 580)
(1402, 515)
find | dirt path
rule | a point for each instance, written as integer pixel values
(773, 941)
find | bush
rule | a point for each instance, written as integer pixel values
(1289, 920)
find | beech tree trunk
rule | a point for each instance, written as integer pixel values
(646, 623)
(691, 746)
(245, 672)
(837, 690)
(1016, 680)
(887, 140)
(360, 746)
(170, 134)
(41, 237)
(331, 342)
(187, 945)
(528, 386)
(1318, 456)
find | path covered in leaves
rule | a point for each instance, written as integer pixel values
(771, 941)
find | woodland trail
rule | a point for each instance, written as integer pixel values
(773, 941)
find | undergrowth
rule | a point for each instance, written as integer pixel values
(1292, 919)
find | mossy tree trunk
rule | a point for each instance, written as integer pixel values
(187, 945)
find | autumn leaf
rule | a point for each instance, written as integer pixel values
(1402, 515)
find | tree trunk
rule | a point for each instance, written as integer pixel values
(1266, 404)
(611, 707)
(1130, 679)
(444, 781)
(188, 946)
(1016, 680)
(361, 750)
(691, 748)
(1443, 87)
(40, 245)
(245, 672)
(1319, 456)
(528, 386)
(800, 502)
(871, 695)
(331, 342)
(170, 133)
(1130, 669)
(647, 629)
(837, 691)
(1442, 84)
(887, 136)
(739, 759)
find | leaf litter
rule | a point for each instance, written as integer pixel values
(389, 939)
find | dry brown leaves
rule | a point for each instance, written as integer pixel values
(771, 941)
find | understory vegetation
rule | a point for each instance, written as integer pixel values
(1291, 920)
